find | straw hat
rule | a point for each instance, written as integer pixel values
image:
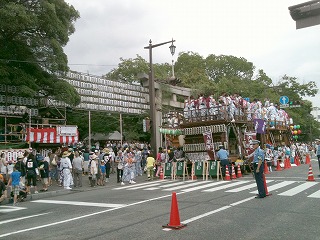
(65, 154)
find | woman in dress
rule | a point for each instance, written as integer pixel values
(129, 169)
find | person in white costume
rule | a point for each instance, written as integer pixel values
(66, 167)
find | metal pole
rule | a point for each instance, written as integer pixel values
(152, 96)
(89, 130)
(152, 103)
(29, 127)
(121, 129)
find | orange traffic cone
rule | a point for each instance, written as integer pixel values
(308, 158)
(265, 186)
(278, 166)
(297, 160)
(174, 214)
(285, 163)
(233, 175)
(266, 168)
(161, 175)
(239, 174)
(310, 174)
(227, 177)
(193, 175)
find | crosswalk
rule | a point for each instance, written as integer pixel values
(278, 187)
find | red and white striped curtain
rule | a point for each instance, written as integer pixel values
(49, 135)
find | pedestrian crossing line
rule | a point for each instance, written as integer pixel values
(23, 218)
(203, 186)
(87, 204)
(135, 185)
(184, 186)
(225, 186)
(315, 194)
(298, 189)
(276, 186)
(239, 189)
(139, 187)
(151, 188)
(172, 184)
(6, 209)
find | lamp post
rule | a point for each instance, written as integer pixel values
(152, 92)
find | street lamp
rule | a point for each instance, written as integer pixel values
(153, 115)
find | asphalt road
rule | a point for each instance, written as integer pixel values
(211, 210)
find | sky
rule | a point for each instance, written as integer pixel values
(262, 32)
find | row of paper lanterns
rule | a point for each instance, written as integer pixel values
(170, 131)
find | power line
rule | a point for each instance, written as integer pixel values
(73, 64)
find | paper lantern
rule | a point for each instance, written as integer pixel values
(291, 126)
(299, 131)
(298, 126)
(295, 126)
(295, 132)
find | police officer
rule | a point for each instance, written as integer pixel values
(223, 156)
(258, 167)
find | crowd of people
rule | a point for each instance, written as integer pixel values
(66, 167)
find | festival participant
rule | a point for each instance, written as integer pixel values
(186, 110)
(192, 108)
(202, 107)
(66, 167)
(272, 115)
(212, 106)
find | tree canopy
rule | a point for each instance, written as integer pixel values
(32, 36)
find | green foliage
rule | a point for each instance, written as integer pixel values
(32, 34)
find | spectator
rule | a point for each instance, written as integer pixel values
(77, 169)
(93, 170)
(31, 167)
(120, 165)
(129, 170)
(14, 181)
(44, 174)
(3, 190)
(151, 163)
(21, 167)
(53, 168)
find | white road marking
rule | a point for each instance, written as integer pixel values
(245, 187)
(184, 186)
(315, 194)
(152, 188)
(81, 217)
(135, 185)
(212, 212)
(87, 204)
(22, 218)
(203, 186)
(225, 186)
(6, 209)
(277, 186)
(139, 187)
(298, 189)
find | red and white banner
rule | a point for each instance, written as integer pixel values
(208, 141)
(49, 135)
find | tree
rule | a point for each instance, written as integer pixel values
(32, 34)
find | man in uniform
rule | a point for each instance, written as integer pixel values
(258, 168)
(223, 156)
